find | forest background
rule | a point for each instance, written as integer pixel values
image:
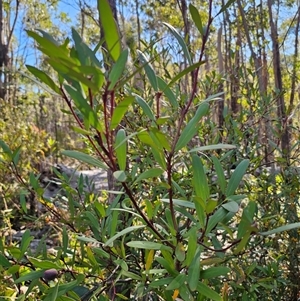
(248, 71)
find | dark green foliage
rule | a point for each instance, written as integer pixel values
(178, 222)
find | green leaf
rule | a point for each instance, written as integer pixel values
(150, 173)
(121, 150)
(247, 219)
(176, 282)
(145, 107)
(5, 148)
(4, 262)
(244, 240)
(110, 241)
(199, 179)
(26, 239)
(45, 78)
(281, 229)
(192, 127)
(84, 158)
(16, 155)
(223, 8)
(194, 271)
(236, 177)
(181, 203)
(148, 69)
(120, 111)
(120, 175)
(84, 107)
(148, 245)
(204, 290)
(44, 264)
(118, 69)
(220, 174)
(196, 18)
(181, 42)
(185, 72)
(30, 276)
(192, 246)
(110, 29)
(179, 251)
(214, 272)
(231, 206)
(217, 217)
(212, 147)
(163, 86)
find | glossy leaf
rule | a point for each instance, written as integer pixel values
(150, 173)
(214, 272)
(110, 29)
(84, 158)
(216, 218)
(176, 282)
(281, 229)
(120, 175)
(44, 264)
(122, 233)
(148, 245)
(121, 149)
(220, 174)
(204, 290)
(192, 246)
(145, 107)
(231, 206)
(45, 78)
(199, 179)
(30, 276)
(84, 107)
(192, 127)
(182, 203)
(194, 271)
(181, 42)
(117, 69)
(212, 147)
(149, 70)
(236, 177)
(163, 86)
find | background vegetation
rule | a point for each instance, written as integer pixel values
(192, 108)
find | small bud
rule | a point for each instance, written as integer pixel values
(50, 274)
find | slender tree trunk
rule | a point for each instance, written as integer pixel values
(281, 110)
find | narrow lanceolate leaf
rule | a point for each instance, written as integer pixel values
(148, 245)
(185, 72)
(117, 69)
(151, 173)
(109, 25)
(194, 271)
(217, 217)
(84, 158)
(220, 174)
(145, 107)
(192, 127)
(45, 78)
(82, 105)
(212, 147)
(199, 179)
(163, 86)
(121, 149)
(196, 18)
(120, 111)
(149, 70)
(181, 42)
(204, 290)
(122, 233)
(236, 177)
(281, 229)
